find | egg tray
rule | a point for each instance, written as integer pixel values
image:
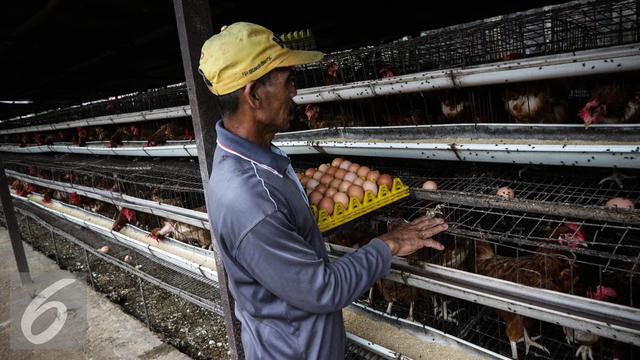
(356, 208)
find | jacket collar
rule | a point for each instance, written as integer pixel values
(249, 151)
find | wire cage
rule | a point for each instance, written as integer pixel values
(174, 183)
(169, 96)
(574, 26)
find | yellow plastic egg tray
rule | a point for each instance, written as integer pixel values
(356, 208)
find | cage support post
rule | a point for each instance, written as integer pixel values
(12, 227)
(144, 303)
(194, 23)
(86, 259)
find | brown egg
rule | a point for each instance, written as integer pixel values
(312, 183)
(385, 179)
(341, 198)
(326, 179)
(354, 167)
(105, 249)
(315, 197)
(345, 164)
(356, 192)
(336, 162)
(335, 183)
(373, 175)
(321, 188)
(368, 185)
(620, 203)
(330, 192)
(304, 180)
(358, 181)
(327, 204)
(309, 172)
(344, 186)
(505, 192)
(299, 175)
(323, 168)
(363, 171)
(430, 185)
(332, 170)
(340, 173)
(350, 177)
(318, 175)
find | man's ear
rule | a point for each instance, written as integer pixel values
(250, 95)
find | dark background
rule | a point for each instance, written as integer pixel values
(59, 53)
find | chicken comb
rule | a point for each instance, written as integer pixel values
(578, 234)
(602, 293)
(129, 214)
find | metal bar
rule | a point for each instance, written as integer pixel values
(539, 207)
(156, 114)
(601, 318)
(86, 259)
(191, 217)
(144, 302)
(12, 227)
(194, 28)
(579, 63)
(204, 265)
(55, 248)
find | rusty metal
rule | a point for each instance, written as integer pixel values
(194, 28)
(12, 227)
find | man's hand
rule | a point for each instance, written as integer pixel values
(408, 238)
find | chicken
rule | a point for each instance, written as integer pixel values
(385, 72)
(20, 188)
(611, 104)
(548, 269)
(121, 134)
(415, 117)
(317, 118)
(453, 257)
(586, 339)
(40, 139)
(332, 74)
(25, 139)
(185, 233)
(47, 194)
(140, 131)
(455, 108)
(533, 105)
(170, 131)
(124, 217)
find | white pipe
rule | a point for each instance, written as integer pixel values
(581, 63)
(156, 114)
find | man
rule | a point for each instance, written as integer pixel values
(288, 295)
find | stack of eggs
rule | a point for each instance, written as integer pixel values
(339, 181)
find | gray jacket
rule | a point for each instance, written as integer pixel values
(288, 295)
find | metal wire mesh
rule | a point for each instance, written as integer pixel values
(174, 95)
(569, 27)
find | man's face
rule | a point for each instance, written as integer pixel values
(278, 108)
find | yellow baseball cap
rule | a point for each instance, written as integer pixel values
(243, 52)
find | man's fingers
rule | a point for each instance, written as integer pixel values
(433, 244)
(428, 233)
(427, 224)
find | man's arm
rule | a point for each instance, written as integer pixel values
(286, 265)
